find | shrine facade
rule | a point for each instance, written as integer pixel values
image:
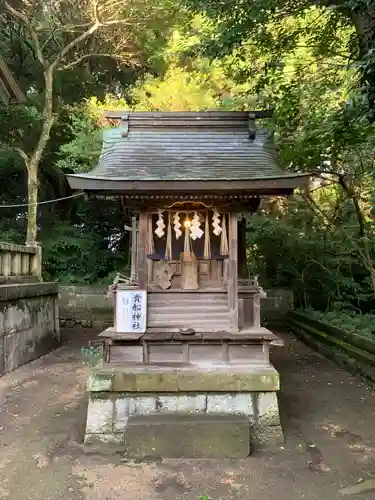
(187, 337)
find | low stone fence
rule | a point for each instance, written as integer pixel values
(275, 307)
(19, 264)
(86, 306)
(351, 351)
(29, 323)
(89, 306)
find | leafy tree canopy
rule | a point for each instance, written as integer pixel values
(298, 59)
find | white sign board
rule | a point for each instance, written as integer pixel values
(131, 311)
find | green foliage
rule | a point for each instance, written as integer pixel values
(238, 21)
(355, 323)
(291, 248)
(299, 59)
(92, 355)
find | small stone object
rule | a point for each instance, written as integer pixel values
(187, 331)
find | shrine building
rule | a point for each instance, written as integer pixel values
(187, 355)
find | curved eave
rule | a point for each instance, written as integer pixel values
(283, 184)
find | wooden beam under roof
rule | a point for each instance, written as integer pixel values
(10, 91)
(138, 116)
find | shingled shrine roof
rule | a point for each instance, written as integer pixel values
(149, 151)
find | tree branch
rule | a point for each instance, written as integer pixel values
(22, 154)
(73, 43)
(315, 207)
(22, 18)
(349, 190)
(87, 56)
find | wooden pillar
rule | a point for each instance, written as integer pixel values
(134, 249)
(142, 250)
(233, 273)
(242, 271)
(256, 305)
(150, 262)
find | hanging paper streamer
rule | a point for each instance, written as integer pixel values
(207, 244)
(195, 230)
(224, 248)
(177, 225)
(216, 223)
(168, 246)
(187, 244)
(159, 231)
(150, 237)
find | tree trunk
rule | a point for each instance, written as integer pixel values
(364, 23)
(365, 254)
(369, 263)
(32, 197)
(34, 161)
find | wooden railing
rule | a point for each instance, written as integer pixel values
(20, 263)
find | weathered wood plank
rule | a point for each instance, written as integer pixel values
(126, 353)
(142, 250)
(242, 271)
(256, 308)
(206, 311)
(233, 273)
(134, 249)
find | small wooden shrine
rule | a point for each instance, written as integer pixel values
(191, 312)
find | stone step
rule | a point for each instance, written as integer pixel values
(188, 436)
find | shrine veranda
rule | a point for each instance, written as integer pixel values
(187, 348)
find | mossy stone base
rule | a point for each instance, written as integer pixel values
(153, 378)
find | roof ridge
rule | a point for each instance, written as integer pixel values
(186, 115)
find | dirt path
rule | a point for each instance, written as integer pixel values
(329, 419)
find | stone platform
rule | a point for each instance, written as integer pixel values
(120, 393)
(168, 345)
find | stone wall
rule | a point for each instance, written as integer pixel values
(29, 323)
(86, 306)
(276, 305)
(89, 306)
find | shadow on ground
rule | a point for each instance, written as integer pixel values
(328, 416)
